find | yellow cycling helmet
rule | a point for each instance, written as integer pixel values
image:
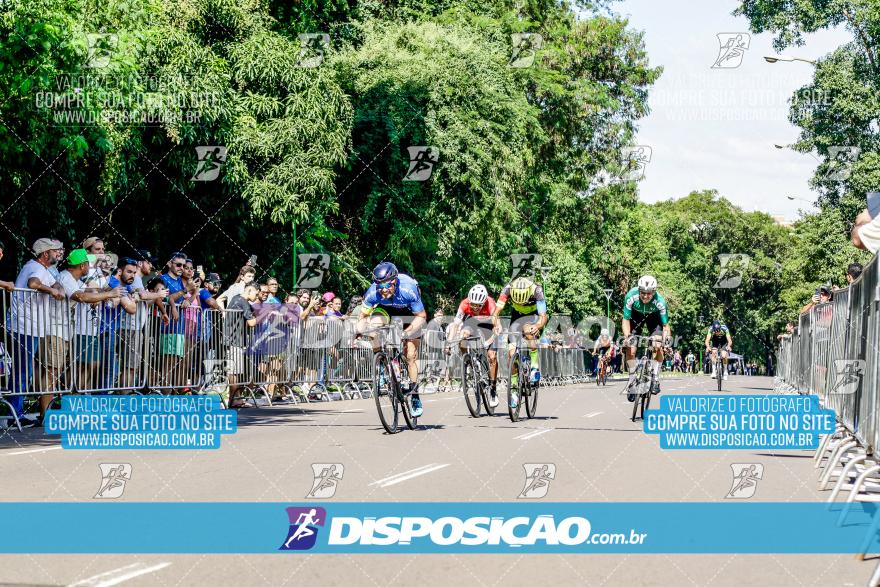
(521, 290)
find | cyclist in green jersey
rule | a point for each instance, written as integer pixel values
(644, 308)
(528, 315)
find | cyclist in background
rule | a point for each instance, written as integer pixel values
(472, 314)
(718, 339)
(604, 348)
(644, 308)
(528, 314)
(397, 294)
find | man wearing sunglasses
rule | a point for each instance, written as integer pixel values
(397, 294)
(172, 339)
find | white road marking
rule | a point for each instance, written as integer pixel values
(592, 414)
(529, 435)
(406, 475)
(33, 450)
(120, 575)
(351, 411)
(443, 399)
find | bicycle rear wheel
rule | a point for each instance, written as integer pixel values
(470, 385)
(385, 393)
(639, 388)
(485, 387)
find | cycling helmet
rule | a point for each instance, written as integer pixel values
(716, 325)
(521, 290)
(604, 332)
(647, 283)
(478, 295)
(384, 271)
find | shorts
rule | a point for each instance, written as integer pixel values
(651, 322)
(54, 352)
(234, 360)
(171, 344)
(129, 348)
(517, 320)
(86, 348)
(720, 345)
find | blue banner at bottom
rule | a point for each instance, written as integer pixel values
(477, 528)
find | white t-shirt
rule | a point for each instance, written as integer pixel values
(870, 234)
(87, 315)
(62, 318)
(29, 311)
(236, 289)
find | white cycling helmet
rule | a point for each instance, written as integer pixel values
(647, 283)
(604, 332)
(478, 295)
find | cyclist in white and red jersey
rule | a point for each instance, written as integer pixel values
(477, 313)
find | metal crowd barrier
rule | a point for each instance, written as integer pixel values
(833, 353)
(50, 346)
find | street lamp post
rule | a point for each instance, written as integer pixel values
(786, 58)
(608, 291)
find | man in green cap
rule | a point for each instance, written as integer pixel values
(59, 365)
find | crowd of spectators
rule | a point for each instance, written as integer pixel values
(76, 320)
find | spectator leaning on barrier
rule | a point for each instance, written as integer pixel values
(171, 343)
(822, 295)
(866, 228)
(61, 332)
(109, 327)
(240, 321)
(28, 311)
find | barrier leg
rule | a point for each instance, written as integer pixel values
(830, 472)
(854, 492)
(823, 446)
(844, 475)
(834, 458)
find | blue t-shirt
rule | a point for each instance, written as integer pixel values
(174, 285)
(406, 296)
(110, 314)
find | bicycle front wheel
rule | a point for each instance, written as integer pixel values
(385, 393)
(515, 390)
(718, 373)
(470, 385)
(532, 400)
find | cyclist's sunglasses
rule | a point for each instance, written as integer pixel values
(646, 291)
(384, 286)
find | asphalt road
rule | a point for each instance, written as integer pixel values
(600, 455)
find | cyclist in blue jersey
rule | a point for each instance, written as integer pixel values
(397, 294)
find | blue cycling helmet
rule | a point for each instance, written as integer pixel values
(716, 325)
(384, 271)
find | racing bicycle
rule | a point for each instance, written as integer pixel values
(719, 365)
(643, 380)
(389, 378)
(602, 369)
(526, 390)
(475, 375)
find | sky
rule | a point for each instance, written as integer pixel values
(715, 128)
